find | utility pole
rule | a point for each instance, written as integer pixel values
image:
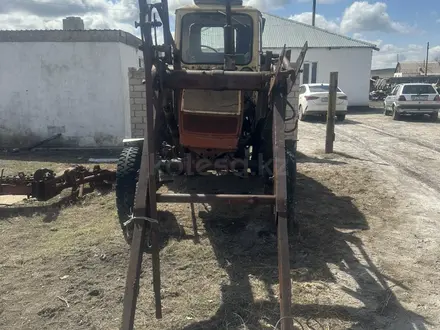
(330, 131)
(314, 13)
(427, 58)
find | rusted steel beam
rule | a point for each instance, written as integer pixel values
(280, 182)
(209, 198)
(145, 198)
(216, 80)
(12, 189)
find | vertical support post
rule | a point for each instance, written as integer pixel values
(330, 131)
(229, 46)
(427, 59)
(313, 12)
(145, 197)
(280, 182)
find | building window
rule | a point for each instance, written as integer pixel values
(306, 73)
(310, 72)
(314, 68)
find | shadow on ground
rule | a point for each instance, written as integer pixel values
(374, 108)
(323, 120)
(51, 208)
(418, 119)
(303, 158)
(244, 241)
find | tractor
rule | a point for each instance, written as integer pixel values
(214, 101)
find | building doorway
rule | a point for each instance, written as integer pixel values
(309, 74)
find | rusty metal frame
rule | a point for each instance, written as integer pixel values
(45, 184)
(274, 85)
(217, 80)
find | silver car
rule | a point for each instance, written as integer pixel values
(412, 99)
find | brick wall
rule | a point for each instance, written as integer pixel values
(138, 105)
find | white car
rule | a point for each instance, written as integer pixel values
(313, 100)
(412, 99)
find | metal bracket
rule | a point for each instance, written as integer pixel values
(133, 218)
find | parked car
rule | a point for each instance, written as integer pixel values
(313, 100)
(412, 99)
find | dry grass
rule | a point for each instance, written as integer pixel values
(64, 266)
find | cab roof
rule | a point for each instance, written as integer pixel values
(216, 4)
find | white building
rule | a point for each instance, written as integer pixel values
(69, 81)
(75, 81)
(327, 52)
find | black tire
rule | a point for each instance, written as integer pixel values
(396, 115)
(340, 117)
(301, 114)
(434, 116)
(127, 175)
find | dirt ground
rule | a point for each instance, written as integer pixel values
(366, 255)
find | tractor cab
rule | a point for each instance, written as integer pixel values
(214, 36)
(202, 38)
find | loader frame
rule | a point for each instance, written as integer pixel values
(273, 83)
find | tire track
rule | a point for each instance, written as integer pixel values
(392, 161)
(404, 139)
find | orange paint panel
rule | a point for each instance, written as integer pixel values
(209, 131)
(209, 142)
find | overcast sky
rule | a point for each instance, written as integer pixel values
(398, 27)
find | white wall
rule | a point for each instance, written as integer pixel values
(352, 64)
(77, 89)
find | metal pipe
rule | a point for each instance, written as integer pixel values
(217, 80)
(314, 13)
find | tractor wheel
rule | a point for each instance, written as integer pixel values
(127, 174)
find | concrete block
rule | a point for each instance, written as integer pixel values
(144, 94)
(144, 106)
(135, 81)
(139, 74)
(132, 101)
(140, 114)
(137, 120)
(131, 88)
(137, 107)
(140, 126)
(139, 88)
(138, 133)
(140, 100)
(136, 94)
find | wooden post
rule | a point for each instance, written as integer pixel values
(331, 112)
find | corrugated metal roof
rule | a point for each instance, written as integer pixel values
(279, 31)
(106, 35)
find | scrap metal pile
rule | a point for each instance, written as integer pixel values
(45, 184)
